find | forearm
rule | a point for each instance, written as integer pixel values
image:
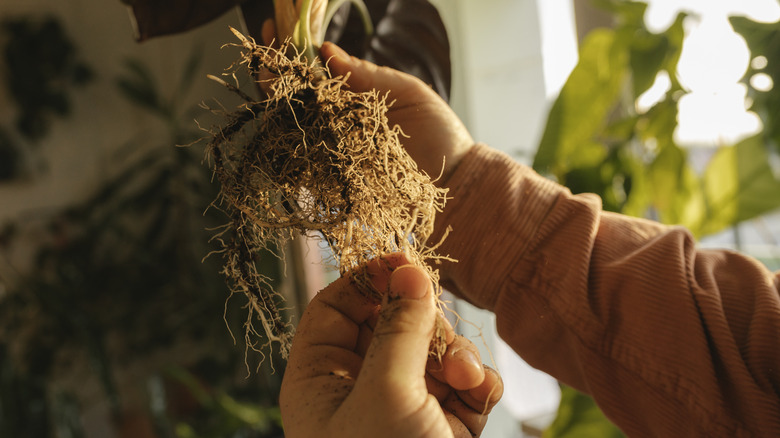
(665, 337)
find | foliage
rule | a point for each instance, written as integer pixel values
(579, 417)
(120, 277)
(408, 34)
(763, 40)
(597, 140)
(219, 414)
(40, 68)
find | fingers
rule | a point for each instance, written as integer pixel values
(462, 365)
(466, 393)
(473, 406)
(483, 397)
(365, 75)
(399, 349)
(333, 326)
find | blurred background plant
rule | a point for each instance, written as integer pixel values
(42, 69)
(602, 136)
(119, 295)
(118, 308)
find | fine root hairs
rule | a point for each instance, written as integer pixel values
(313, 156)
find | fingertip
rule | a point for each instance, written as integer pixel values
(338, 61)
(491, 389)
(409, 281)
(463, 367)
(380, 270)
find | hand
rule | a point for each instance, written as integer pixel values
(437, 139)
(358, 369)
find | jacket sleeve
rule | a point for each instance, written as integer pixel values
(670, 340)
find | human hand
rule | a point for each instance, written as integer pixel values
(358, 369)
(436, 138)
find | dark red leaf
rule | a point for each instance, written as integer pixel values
(164, 17)
(408, 36)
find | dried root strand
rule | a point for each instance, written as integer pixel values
(313, 155)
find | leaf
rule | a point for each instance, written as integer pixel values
(582, 109)
(153, 18)
(653, 53)
(675, 188)
(579, 416)
(739, 184)
(409, 36)
(763, 39)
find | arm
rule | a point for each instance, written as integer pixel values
(358, 369)
(668, 339)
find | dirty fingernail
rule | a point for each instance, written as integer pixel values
(408, 282)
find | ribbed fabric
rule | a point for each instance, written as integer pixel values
(671, 341)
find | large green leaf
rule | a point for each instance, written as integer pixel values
(580, 417)
(763, 39)
(739, 184)
(651, 53)
(581, 110)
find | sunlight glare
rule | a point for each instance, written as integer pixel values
(713, 61)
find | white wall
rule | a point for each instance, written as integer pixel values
(510, 58)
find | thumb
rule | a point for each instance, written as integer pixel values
(364, 75)
(399, 347)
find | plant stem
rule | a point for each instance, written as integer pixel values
(302, 35)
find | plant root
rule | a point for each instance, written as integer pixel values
(313, 155)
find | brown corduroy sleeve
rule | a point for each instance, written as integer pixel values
(670, 340)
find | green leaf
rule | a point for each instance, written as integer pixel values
(409, 35)
(739, 184)
(579, 416)
(648, 53)
(763, 39)
(675, 188)
(658, 124)
(581, 110)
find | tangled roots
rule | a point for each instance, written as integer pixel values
(314, 156)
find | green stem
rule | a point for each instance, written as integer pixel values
(302, 35)
(330, 11)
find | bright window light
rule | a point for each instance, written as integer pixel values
(713, 60)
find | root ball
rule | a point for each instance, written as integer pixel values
(314, 156)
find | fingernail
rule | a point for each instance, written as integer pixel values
(409, 282)
(468, 357)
